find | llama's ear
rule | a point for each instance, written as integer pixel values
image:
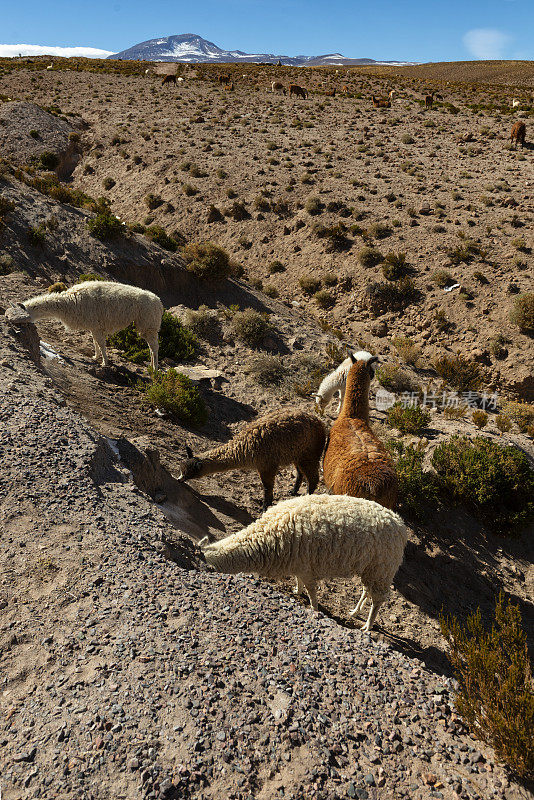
(21, 305)
(371, 364)
(188, 451)
(353, 358)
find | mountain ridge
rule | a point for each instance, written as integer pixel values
(193, 49)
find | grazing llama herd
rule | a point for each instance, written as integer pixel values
(351, 531)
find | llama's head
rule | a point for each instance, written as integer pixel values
(366, 358)
(190, 468)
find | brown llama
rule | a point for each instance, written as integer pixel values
(380, 102)
(356, 462)
(429, 99)
(330, 93)
(168, 79)
(519, 131)
(298, 91)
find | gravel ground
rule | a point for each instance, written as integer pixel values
(126, 676)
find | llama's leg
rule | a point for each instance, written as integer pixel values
(376, 602)
(267, 478)
(360, 603)
(299, 588)
(98, 355)
(311, 589)
(298, 482)
(311, 471)
(99, 339)
(151, 339)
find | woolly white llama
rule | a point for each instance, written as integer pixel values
(103, 308)
(318, 537)
(335, 382)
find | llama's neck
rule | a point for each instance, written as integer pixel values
(46, 306)
(218, 459)
(356, 401)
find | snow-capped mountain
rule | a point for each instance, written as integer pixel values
(192, 48)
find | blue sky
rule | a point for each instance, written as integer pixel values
(408, 30)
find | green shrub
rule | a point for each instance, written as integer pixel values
(175, 341)
(465, 253)
(442, 278)
(480, 418)
(382, 297)
(407, 349)
(395, 266)
(276, 266)
(408, 419)
(178, 395)
(153, 201)
(497, 481)
(324, 299)
(395, 379)
(37, 235)
(380, 231)
(203, 322)
(207, 261)
(495, 695)
(522, 313)
(252, 328)
(108, 183)
(7, 265)
(521, 413)
(266, 370)
(503, 423)
(336, 238)
(370, 257)
(459, 372)
(237, 211)
(48, 160)
(313, 205)
(418, 493)
(89, 276)
(309, 284)
(105, 225)
(160, 237)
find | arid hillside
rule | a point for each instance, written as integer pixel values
(131, 670)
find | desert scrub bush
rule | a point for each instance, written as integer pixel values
(48, 160)
(203, 322)
(442, 278)
(520, 413)
(159, 236)
(175, 341)
(497, 481)
(58, 286)
(407, 349)
(459, 372)
(251, 327)
(178, 395)
(465, 253)
(6, 206)
(324, 299)
(370, 257)
(89, 276)
(418, 493)
(214, 214)
(37, 235)
(7, 265)
(207, 261)
(237, 211)
(379, 230)
(407, 139)
(395, 266)
(395, 379)
(503, 423)
(408, 419)
(495, 695)
(309, 284)
(266, 370)
(189, 190)
(108, 183)
(480, 419)
(271, 291)
(382, 297)
(522, 313)
(276, 266)
(455, 411)
(153, 201)
(105, 225)
(313, 206)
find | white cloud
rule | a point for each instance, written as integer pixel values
(486, 43)
(10, 50)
